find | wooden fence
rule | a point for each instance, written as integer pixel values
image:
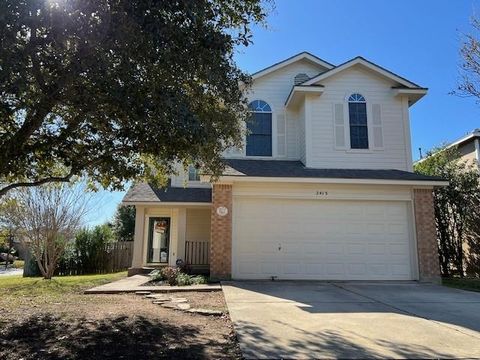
(197, 253)
(113, 257)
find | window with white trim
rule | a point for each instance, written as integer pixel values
(259, 136)
(193, 174)
(357, 112)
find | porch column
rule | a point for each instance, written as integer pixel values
(221, 232)
(427, 247)
(138, 240)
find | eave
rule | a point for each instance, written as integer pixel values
(298, 92)
(413, 94)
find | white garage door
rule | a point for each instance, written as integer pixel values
(328, 240)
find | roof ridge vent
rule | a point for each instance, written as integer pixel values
(300, 78)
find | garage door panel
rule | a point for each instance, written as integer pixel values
(332, 240)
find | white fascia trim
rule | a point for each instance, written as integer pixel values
(368, 65)
(413, 95)
(474, 135)
(465, 138)
(409, 91)
(477, 150)
(301, 56)
(231, 179)
(170, 204)
(301, 89)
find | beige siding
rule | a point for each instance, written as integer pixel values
(274, 89)
(181, 179)
(198, 225)
(468, 153)
(301, 133)
(376, 90)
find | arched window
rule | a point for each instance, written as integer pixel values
(357, 111)
(259, 137)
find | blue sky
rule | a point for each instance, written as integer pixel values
(418, 39)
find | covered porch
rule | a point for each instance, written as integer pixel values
(172, 227)
(167, 236)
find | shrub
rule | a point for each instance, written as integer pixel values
(170, 275)
(198, 280)
(183, 279)
(175, 276)
(90, 246)
(18, 264)
(156, 275)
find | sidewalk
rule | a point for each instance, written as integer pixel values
(134, 284)
(10, 271)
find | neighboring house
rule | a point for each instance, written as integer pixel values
(468, 147)
(323, 188)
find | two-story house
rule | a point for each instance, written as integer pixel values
(468, 148)
(323, 187)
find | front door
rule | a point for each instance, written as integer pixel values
(158, 240)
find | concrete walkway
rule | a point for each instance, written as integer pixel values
(10, 271)
(134, 284)
(354, 320)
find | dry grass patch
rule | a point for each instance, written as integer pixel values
(55, 320)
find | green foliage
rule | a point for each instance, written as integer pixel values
(198, 280)
(18, 264)
(119, 90)
(18, 286)
(156, 275)
(89, 247)
(124, 223)
(183, 280)
(175, 277)
(457, 206)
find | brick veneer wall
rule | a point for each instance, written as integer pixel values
(221, 233)
(427, 248)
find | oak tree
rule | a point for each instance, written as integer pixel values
(119, 89)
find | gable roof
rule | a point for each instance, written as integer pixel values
(300, 56)
(474, 134)
(368, 64)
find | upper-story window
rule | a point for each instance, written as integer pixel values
(357, 111)
(193, 174)
(259, 137)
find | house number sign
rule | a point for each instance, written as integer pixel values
(321, 193)
(222, 211)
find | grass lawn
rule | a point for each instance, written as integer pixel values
(53, 319)
(17, 286)
(464, 284)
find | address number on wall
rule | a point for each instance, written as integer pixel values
(222, 211)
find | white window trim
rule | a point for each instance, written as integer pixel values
(172, 238)
(274, 133)
(346, 114)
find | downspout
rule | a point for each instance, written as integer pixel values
(477, 151)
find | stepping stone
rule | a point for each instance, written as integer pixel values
(183, 306)
(206, 312)
(160, 301)
(169, 305)
(156, 296)
(142, 292)
(179, 300)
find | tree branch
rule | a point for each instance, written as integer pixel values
(7, 188)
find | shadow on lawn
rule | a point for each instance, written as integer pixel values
(49, 337)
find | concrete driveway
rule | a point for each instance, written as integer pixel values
(354, 320)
